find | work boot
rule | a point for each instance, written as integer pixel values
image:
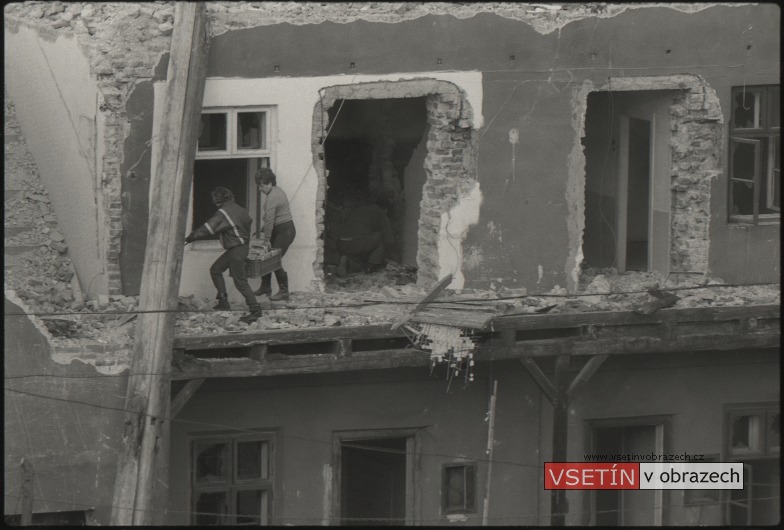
(283, 286)
(223, 303)
(253, 316)
(266, 286)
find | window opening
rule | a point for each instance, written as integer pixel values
(373, 481)
(755, 154)
(753, 437)
(233, 144)
(375, 152)
(457, 489)
(232, 480)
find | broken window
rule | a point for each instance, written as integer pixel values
(233, 144)
(232, 480)
(755, 154)
(457, 490)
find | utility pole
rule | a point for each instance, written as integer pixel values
(145, 445)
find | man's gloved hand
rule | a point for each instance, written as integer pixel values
(188, 239)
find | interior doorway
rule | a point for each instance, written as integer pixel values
(374, 480)
(627, 507)
(627, 186)
(375, 151)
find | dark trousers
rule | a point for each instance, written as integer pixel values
(282, 237)
(368, 248)
(234, 260)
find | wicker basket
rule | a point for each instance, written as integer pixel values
(256, 268)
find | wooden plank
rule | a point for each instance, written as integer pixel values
(448, 317)
(489, 453)
(301, 364)
(547, 388)
(184, 395)
(440, 286)
(601, 318)
(285, 336)
(145, 446)
(558, 504)
(585, 374)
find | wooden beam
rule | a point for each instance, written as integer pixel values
(558, 504)
(191, 368)
(446, 280)
(547, 388)
(585, 374)
(618, 318)
(184, 395)
(145, 447)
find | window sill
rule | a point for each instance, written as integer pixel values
(740, 222)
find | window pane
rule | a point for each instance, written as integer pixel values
(211, 508)
(746, 109)
(252, 507)
(745, 434)
(212, 462)
(774, 431)
(212, 132)
(775, 107)
(251, 130)
(774, 175)
(252, 460)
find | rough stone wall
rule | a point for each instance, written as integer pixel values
(696, 150)
(450, 163)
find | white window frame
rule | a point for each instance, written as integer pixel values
(233, 152)
(762, 133)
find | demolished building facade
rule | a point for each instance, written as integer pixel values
(518, 145)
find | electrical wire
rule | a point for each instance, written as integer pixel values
(400, 302)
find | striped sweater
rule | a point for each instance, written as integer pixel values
(276, 210)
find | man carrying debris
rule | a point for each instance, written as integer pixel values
(232, 225)
(364, 236)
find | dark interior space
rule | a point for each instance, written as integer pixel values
(639, 195)
(373, 482)
(375, 151)
(624, 507)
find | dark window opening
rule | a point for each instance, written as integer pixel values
(375, 152)
(458, 491)
(373, 482)
(236, 174)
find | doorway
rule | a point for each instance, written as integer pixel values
(374, 481)
(627, 186)
(627, 507)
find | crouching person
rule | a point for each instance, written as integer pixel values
(232, 225)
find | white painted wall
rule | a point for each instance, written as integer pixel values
(55, 99)
(295, 99)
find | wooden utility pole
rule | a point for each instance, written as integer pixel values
(145, 445)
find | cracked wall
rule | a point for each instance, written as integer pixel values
(450, 198)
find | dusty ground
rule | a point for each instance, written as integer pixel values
(41, 277)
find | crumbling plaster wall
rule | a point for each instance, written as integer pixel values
(65, 419)
(48, 80)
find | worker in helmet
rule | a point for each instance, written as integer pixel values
(231, 223)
